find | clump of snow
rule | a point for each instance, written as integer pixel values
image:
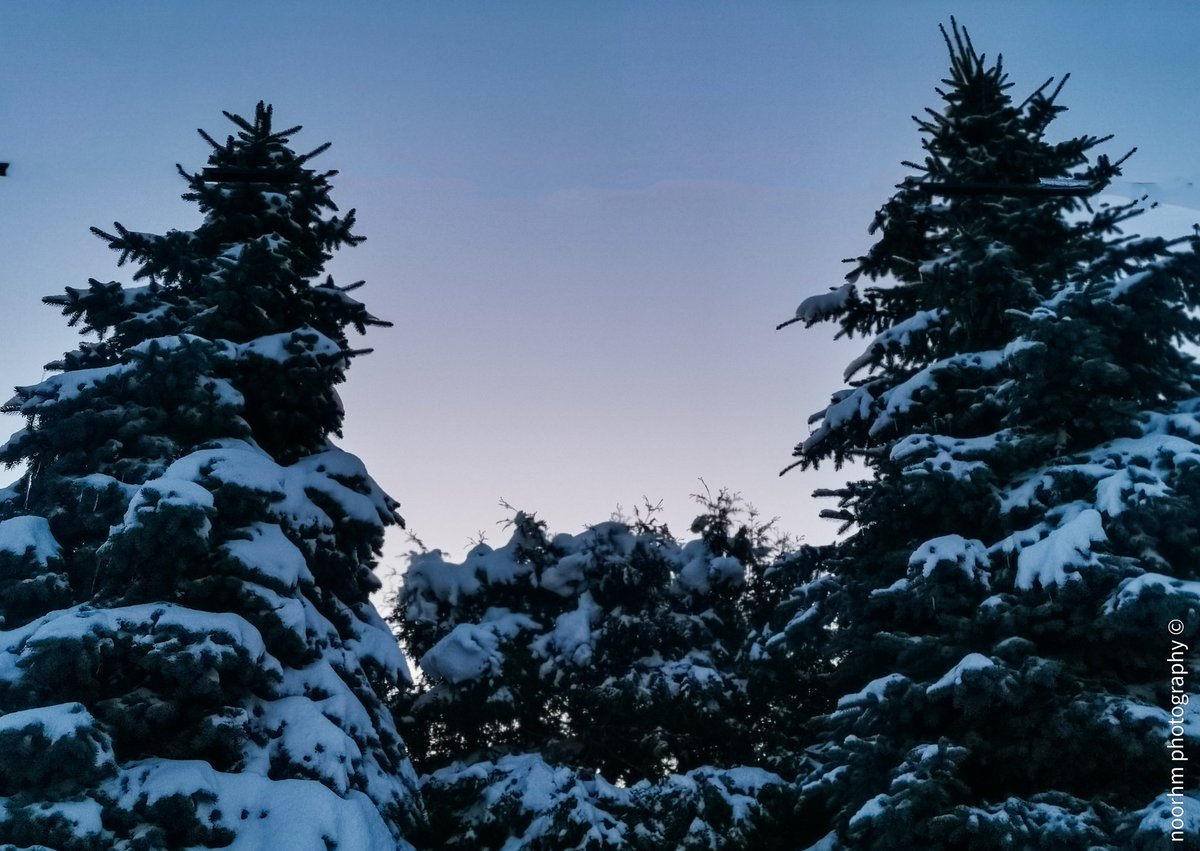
(571, 638)
(1185, 714)
(1127, 471)
(689, 675)
(534, 801)
(954, 677)
(168, 490)
(471, 651)
(241, 464)
(63, 388)
(956, 457)
(899, 336)
(1132, 588)
(84, 816)
(1052, 552)
(373, 640)
(269, 555)
(845, 405)
(467, 653)
(530, 793)
(818, 307)
(54, 722)
(29, 534)
(902, 398)
(701, 571)
(1171, 812)
(566, 575)
(300, 815)
(968, 555)
(289, 345)
(900, 585)
(869, 811)
(873, 692)
(222, 637)
(828, 842)
(298, 732)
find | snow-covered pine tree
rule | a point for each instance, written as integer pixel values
(998, 616)
(188, 654)
(597, 690)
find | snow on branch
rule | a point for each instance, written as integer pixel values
(818, 307)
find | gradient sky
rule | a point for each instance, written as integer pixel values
(585, 219)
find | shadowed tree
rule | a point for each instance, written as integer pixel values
(1028, 421)
(188, 654)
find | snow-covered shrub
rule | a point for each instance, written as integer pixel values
(580, 688)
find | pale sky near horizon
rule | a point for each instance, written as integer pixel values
(585, 219)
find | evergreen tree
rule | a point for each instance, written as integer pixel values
(1031, 431)
(188, 654)
(604, 688)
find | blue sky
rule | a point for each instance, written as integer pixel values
(585, 219)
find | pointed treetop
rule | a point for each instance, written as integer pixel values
(269, 170)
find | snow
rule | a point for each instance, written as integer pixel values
(896, 587)
(899, 335)
(83, 816)
(101, 482)
(969, 555)
(869, 811)
(298, 731)
(1132, 588)
(1126, 471)
(290, 345)
(19, 535)
(1129, 283)
(845, 405)
(701, 571)
(168, 490)
(1050, 555)
(373, 640)
(827, 843)
(956, 457)
(954, 677)
(902, 398)
(236, 462)
(571, 639)
(531, 800)
(738, 786)
(818, 307)
(227, 638)
(336, 701)
(298, 815)
(1065, 183)
(526, 791)
(873, 692)
(1120, 710)
(430, 580)
(467, 653)
(330, 473)
(566, 575)
(268, 554)
(56, 722)
(683, 676)
(1158, 815)
(169, 343)
(64, 387)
